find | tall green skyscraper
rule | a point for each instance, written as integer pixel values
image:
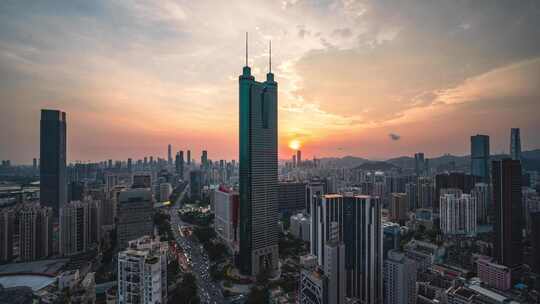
(258, 173)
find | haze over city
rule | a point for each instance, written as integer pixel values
(375, 79)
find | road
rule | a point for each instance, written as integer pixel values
(209, 292)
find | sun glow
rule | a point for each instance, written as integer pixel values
(295, 144)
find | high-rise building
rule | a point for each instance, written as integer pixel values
(314, 190)
(313, 287)
(398, 207)
(195, 184)
(169, 155)
(458, 214)
(130, 164)
(362, 235)
(515, 144)
(135, 215)
(480, 157)
(399, 279)
(35, 232)
(188, 156)
(483, 203)
(294, 160)
(291, 197)
(391, 237)
(142, 272)
(334, 266)
(535, 241)
(425, 192)
(204, 159)
(419, 164)
(325, 210)
(412, 196)
(226, 206)
(7, 230)
(34, 164)
(298, 158)
(74, 228)
(53, 188)
(508, 212)
(258, 173)
(179, 162)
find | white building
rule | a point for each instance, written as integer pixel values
(458, 214)
(399, 279)
(226, 204)
(300, 227)
(142, 272)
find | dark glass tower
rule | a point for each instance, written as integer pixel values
(508, 212)
(53, 188)
(258, 174)
(515, 144)
(480, 157)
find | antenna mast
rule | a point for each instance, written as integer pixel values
(270, 56)
(246, 48)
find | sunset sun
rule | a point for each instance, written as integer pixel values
(295, 144)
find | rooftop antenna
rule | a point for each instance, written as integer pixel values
(270, 56)
(246, 48)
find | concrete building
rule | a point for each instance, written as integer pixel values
(226, 207)
(165, 191)
(412, 196)
(480, 157)
(300, 227)
(142, 272)
(458, 214)
(135, 215)
(74, 228)
(493, 274)
(398, 207)
(481, 194)
(258, 176)
(399, 279)
(314, 189)
(7, 230)
(35, 232)
(334, 267)
(292, 197)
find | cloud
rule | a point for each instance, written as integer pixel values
(394, 136)
(342, 32)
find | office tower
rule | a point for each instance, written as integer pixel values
(258, 173)
(195, 184)
(508, 212)
(298, 158)
(334, 266)
(226, 222)
(291, 197)
(179, 163)
(535, 241)
(188, 156)
(142, 272)
(515, 144)
(294, 160)
(325, 210)
(142, 181)
(399, 279)
(362, 235)
(34, 164)
(145, 161)
(52, 187)
(411, 191)
(169, 155)
(482, 196)
(458, 214)
(7, 230)
(398, 207)
(391, 237)
(314, 190)
(425, 192)
(74, 228)
(480, 157)
(35, 232)
(313, 287)
(129, 165)
(95, 220)
(165, 191)
(419, 163)
(204, 159)
(135, 215)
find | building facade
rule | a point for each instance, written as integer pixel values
(135, 215)
(480, 157)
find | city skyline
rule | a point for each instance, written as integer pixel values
(135, 78)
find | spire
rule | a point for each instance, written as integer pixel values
(246, 48)
(270, 57)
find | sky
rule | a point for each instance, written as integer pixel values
(373, 78)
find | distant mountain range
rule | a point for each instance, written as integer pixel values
(530, 159)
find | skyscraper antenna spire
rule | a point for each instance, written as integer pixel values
(246, 48)
(270, 56)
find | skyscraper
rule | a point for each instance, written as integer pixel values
(515, 144)
(188, 156)
(169, 155)
(399, 279)
(204, 159)
(419, 163)
(74, 228)
(508, 212)
(535, 241)
(135, 215)
(258, 173)
(458, 214)
(35, 232)
(362, 234)
(480, 156)
(53, 188)
(7, 230)
(298, 158)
